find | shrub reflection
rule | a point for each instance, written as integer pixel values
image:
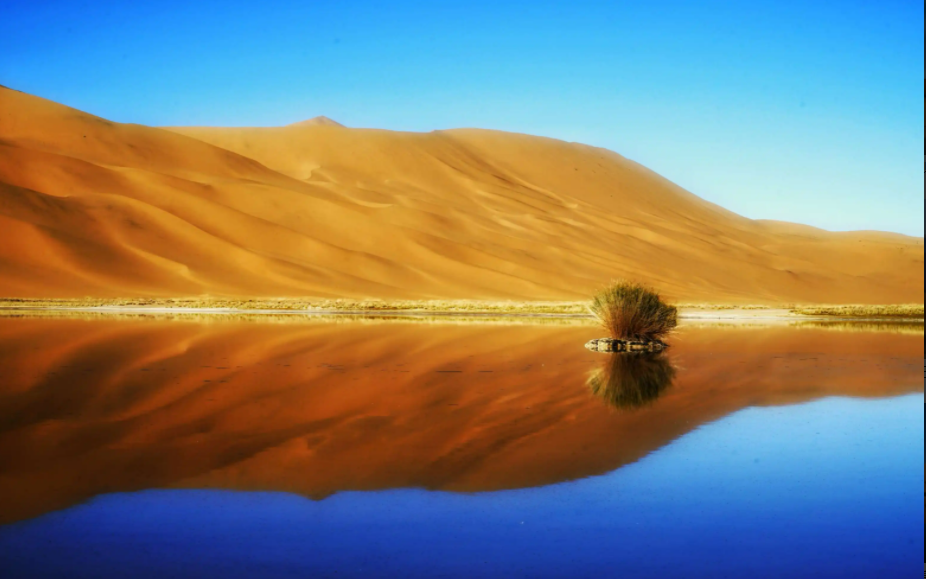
(632, 380)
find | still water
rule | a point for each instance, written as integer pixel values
(281, 448)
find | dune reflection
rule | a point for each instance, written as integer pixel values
(91, 406)
(632, 380)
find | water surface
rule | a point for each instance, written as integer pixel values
(183, 448)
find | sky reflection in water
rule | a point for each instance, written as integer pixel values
(826, 489)
(820, 489)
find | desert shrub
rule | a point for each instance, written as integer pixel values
(633, 311)
(632, 380)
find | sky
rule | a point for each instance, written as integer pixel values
(798, 111)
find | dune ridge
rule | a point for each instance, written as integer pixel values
(317, 121)
(89, 207)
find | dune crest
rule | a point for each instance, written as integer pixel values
(320, 121)
(89, 207)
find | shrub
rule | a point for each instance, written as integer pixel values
(633, 311)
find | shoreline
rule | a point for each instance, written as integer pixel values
(721, 314)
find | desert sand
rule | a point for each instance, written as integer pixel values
(112, 405)
(90, 207)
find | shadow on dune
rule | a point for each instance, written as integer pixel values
(630, 381)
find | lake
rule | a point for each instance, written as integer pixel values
(283, 446)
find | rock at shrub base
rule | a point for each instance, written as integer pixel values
(612, 345)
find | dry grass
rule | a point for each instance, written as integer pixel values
(724, 307)
(297, 317)
(632, 311)
(315, 305)
(863, 311)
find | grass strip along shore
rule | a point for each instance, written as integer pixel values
(483, 307)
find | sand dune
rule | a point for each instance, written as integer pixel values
(121, 405)
(316, 122)
(94, 208)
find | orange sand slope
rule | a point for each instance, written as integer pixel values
(94, 208)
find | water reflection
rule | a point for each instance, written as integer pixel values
(631, 380)
(729, 500)
(97, 406)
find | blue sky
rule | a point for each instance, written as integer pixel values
(799, 111)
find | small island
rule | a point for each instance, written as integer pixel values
(635, 316)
